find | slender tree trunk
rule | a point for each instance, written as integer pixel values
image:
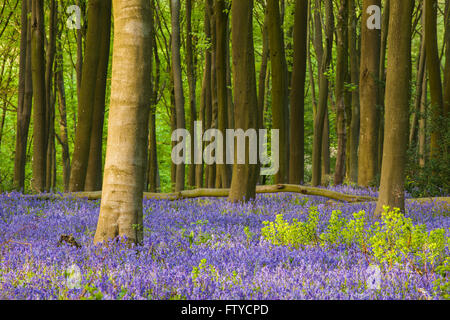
(397, 106)
(279, 86)
(354, 66)
(434, 73)
(423, 123)
(419, 82)
(243, 184)
(121, 213)
(192, 85)
(221, 18)
(263, 71)
(79, 63)
(39, 113)
(25, 98)
(88, 90)
(369, 110)
(320, 117)
(50, 107)
(94, 169)
(178, 85)
(63, 136)
(447, 65)
(205, 101)
(297, 130)
(341, 72)
(152, 174)
(213, 179)
(382, 74)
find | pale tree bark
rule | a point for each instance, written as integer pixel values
(341, 72)
(178, 84)
(39, 112)
(368, 91)
(94, 169)
(126, 153)
(25, 98)
(243, 184)
(398, 85)
(279, 86)
(86, 102)
(297, 130)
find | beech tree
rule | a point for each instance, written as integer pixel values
(397, 107)
(243, 184)
(126, 152)
(368, 92)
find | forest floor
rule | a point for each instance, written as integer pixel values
(282, 246)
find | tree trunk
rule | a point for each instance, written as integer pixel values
(423, 122)
(192, 86)
(320, 117)
(121, 212)
(354, 66)
(63, 136)
(397, 106)
(341, 72)
(88, 97)
(221, 18)
(243, 184)
(205, 100)
(25, 98)
(50, 107)
(152, 174)
(434, 74)
(39, 113)
(297, 130)
(94, 169)
(178, 84)
(447, 66)
(279, 86)
(368, 93)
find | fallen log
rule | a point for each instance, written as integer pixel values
(218, 193)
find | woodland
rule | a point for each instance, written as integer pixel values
(93, 205)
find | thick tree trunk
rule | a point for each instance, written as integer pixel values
(39, 112)
(320, 117)
(178, 84)
(86, 103)
(221, 18)
(341, 72)
(279, 86)
(126, 154)
(447, 65)
(392, 192)
(243, 184)
(297, 130)
(354, 75)
(25, 98)
(94, 169)
(369, 111)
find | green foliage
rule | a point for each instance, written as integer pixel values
(393, 240)
(296, 234)
(443, 285)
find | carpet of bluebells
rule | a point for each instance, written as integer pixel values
(197, 249)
